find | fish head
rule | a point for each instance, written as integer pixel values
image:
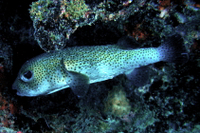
(40, 76)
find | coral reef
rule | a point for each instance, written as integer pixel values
(117, 104)
(6, 54)
(6, 112)
(55, 20)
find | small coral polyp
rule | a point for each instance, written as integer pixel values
(117, 104)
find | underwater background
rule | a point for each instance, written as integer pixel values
(168, 103)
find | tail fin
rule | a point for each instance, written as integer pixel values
(173, 50)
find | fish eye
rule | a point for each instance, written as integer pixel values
(27, 76)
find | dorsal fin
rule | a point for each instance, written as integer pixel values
(128, 42)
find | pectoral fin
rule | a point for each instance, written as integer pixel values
(79, 82)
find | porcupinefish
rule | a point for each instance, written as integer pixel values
(77, 67)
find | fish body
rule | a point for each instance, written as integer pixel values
(77, 67)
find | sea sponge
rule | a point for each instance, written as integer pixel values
(117, 104)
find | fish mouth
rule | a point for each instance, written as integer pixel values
(14, 87)
(24, 94)
(20, 94)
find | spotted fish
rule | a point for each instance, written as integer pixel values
(77, 67)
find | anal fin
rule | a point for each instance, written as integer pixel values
(139, 76)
